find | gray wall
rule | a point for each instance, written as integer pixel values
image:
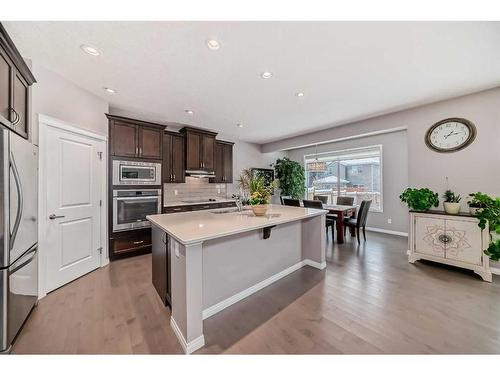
(57, 97)
(394, 169)
(472, 169)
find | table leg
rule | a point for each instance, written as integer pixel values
(340, 227)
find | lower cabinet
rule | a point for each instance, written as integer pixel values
(160, 265)
(450, 239)
(129, 243)
(197, 207)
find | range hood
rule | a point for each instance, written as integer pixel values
(199, 174)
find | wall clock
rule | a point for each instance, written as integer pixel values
(451, 134)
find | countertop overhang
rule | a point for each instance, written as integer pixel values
(194, 227)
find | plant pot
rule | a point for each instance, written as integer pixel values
(259, 209)
(473, 210)
(451, 208)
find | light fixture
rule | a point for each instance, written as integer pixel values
(90, 50)
(109, 90)
(300, 94)
(239, 125)
(266, 75)
(213, 44)
(316, 165)
(188, 111)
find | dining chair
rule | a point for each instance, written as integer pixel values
(330, 222)
(284, 197)
(291, 202)
(322, 198)
(360, 221)
(345, 201)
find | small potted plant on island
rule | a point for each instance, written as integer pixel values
(419, 199)
(451, 202)
(475, 204)
(260, 195)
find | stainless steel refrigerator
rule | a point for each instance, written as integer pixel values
(18, 234)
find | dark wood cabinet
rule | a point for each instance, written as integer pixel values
(200, 149)
(198, 207)
(135, 138)
(173, 158)
(160, 266)
(223, 162)
(15, 80)
(134, 241)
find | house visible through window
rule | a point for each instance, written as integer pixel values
(353, 173)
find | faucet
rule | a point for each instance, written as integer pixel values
(239, 204)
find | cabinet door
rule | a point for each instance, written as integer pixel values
(150, 143)
(464, 243)
(219, 163)
(430, 236)
(193, 151)
(228, 163)
(20, 105)
(5, 77)
(124, 139)
(177, 158)
(167, 158)
(208, 149)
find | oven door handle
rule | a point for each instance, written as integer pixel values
(154, 198)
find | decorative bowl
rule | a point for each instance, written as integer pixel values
(259, 209)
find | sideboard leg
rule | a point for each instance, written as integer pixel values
(485, 275)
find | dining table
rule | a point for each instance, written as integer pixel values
(342, 212)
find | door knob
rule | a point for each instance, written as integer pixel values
(54, 216)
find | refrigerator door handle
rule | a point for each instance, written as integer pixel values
(20, 202)
(27, 261)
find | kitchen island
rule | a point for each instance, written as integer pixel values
(216, 258)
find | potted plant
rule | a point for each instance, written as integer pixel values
(419, 199)
(451, 202)
(474, 204)
(489, 212)
(260, 195)
(291, 177)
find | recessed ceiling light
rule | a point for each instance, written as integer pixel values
(188, 111)
(109, 90)
(213, 44)
(299, 94)
(239, 125)
(90, 50)
(266, 75)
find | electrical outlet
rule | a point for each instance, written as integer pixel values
(389, 221)
(176, 192)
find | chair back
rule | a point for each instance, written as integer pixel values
(291, 202)
(284, 197)
(363, 212)
(322, 198)
(345, 201)
(313, 204)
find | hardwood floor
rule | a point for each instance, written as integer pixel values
(368, 300)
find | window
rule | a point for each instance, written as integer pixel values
(353, 173)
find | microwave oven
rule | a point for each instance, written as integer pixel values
(127, 172)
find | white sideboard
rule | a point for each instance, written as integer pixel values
(456, 240)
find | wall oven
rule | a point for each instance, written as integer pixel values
(127, 172)
(130, 208)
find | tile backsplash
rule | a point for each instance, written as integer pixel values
(194, 188)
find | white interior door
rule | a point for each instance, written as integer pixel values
(72, 215)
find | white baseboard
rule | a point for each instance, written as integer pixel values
(387, 231)
(214, 309)
(494, 267)
(188, 347)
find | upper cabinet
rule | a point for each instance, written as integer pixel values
(134, 138)
(223, 162)
(200, 149)
(173, 158)
(15, 80)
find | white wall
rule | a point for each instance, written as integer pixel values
(394, 170)
(57, 97)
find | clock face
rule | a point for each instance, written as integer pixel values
(450, 135)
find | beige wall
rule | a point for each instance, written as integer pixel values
(57, 97)
(469, 170)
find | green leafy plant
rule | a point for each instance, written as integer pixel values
(489, 213)
(475, 202)
(419, 199)
(291, 177)
(260, 192)
(451, 197)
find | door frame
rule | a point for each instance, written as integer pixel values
(44, 123)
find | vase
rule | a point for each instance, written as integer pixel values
(259, 209)
(473, 210)
(451, 208)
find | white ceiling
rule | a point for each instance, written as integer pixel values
(347, 70)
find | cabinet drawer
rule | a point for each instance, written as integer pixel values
(202, 207)
(130, 241)
(227, 204)
(173, 210)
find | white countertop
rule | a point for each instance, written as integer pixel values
(192, 227)
(180, 203)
